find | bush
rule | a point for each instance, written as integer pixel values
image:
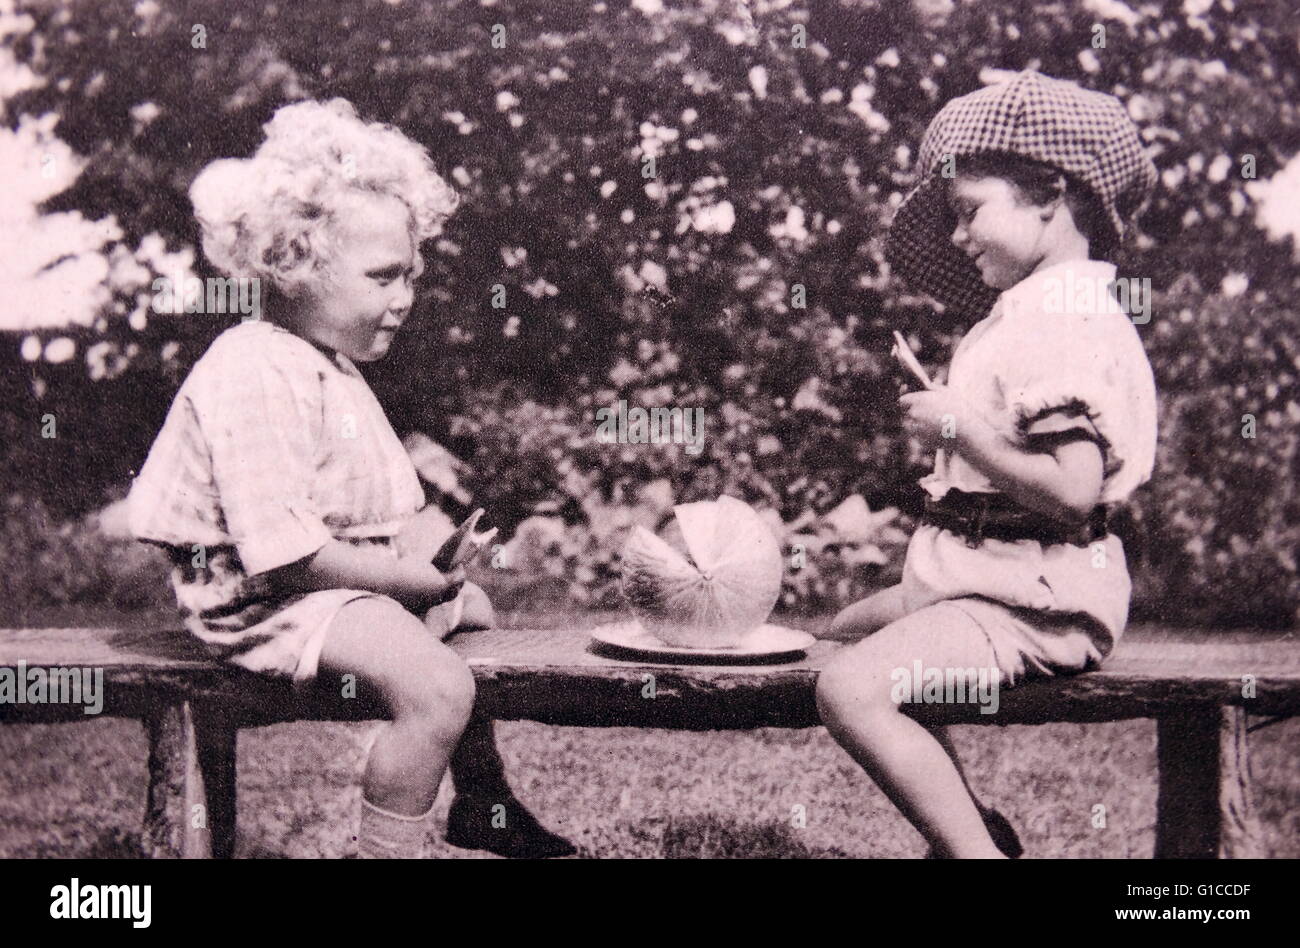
(745, 278)
(47, 563)
(1220, 522)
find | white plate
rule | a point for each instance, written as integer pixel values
(765, 642)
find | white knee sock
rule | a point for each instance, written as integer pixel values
(385, 835)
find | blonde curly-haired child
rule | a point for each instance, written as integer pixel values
(281, 490)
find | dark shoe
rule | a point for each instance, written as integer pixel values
(469, 826)
(1004, 836)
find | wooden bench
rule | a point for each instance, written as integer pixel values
(193, 709)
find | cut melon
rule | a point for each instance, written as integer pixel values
(722, 586)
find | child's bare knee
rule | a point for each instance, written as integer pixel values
(837, 687)
(422, 681)
(453, 683)
(830, 695)
(853, 680)
(437, 692)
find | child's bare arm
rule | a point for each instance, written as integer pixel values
(412, 581)
(1065, 484)
(422, 533)
(867, 615)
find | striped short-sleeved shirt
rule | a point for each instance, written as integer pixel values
(271, 448)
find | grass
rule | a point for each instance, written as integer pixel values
(78, 789)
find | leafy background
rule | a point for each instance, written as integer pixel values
(778, 162)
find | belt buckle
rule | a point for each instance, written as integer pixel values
(1099, 523)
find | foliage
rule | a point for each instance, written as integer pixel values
(776, 166)
(1222, 518)
(44, 562)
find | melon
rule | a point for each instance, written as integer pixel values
(721, 586)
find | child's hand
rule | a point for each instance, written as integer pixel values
(935, 416)
(455, 578)
(469, 611)
(423, 533)
(478, 612)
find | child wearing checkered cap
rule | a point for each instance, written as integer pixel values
(289, 507)
(1046, 421)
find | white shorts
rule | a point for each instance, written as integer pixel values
(288, 643)
(1028, 643)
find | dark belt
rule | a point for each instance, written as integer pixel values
(979, 517)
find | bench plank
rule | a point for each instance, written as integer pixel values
(554, 677)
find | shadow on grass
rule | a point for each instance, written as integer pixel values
(115, 843)
(118, 843)
(712, 836)
(261, 852)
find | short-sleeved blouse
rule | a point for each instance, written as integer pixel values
(271, 448)
(1056, 353)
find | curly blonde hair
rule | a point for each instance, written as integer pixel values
(271, 216)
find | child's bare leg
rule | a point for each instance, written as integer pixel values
(483, 795)
(867, 615)
(913, 768)
(476, 764)
(871, 614)
(944, 737)
(428, 690)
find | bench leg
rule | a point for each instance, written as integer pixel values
(190, 809)
(1204, 808)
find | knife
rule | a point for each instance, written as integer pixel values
(463, 544)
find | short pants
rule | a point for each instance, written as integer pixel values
(1028, 643)
(293, 638)
(277, 635)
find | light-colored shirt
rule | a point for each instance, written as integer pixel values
(1055, 353)
(1043, 349)
(271, 448)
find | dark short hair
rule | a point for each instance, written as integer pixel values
(1038, 182)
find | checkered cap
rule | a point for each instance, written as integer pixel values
(1088, 135)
